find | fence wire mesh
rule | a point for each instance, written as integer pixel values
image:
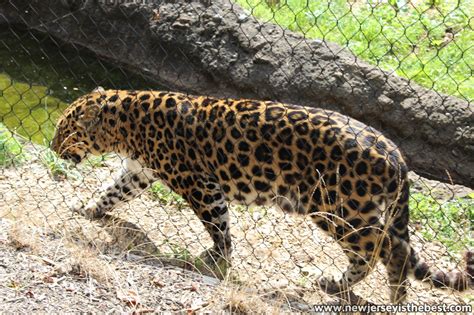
(134, 257)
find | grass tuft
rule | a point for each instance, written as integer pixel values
(23, 237)
(11, 150)
(58, 168)
(164, 195)
(241, 302)
(449, 222)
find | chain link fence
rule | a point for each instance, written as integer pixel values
(52, 54)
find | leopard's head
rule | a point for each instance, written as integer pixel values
(77, 130)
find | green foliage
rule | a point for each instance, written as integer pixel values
(28, 109)
(429, 44)
(164, 195)
(433, 3)
(11, 150)
(449, 222)
(179, 252)
(59, 169)
(39, 77)
(93, 161)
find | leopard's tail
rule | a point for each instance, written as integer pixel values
(457, 280)
(417, 267)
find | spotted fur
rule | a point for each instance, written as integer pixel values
(347, 177)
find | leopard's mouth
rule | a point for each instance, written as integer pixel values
(74, 157)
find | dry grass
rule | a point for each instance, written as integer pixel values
(22, 236)
(275, 266)
(80, 260)
(85, 261)
(241, 302)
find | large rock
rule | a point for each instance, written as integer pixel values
(216, 48)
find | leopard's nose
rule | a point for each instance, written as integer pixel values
(76, 158)
(65, 156)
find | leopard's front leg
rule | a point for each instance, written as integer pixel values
(133, 180)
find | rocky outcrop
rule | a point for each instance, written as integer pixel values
(214, 47)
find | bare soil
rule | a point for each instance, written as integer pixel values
(137, 259)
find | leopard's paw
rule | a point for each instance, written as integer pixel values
(77, 207)
(328, 285)
(89, 211)
(214, 261)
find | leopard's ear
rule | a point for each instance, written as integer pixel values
(90, 117)
(99, 90)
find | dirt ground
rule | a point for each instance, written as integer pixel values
(51, 260)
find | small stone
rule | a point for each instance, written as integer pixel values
(311, 271)
(157, 282)
(242, 18)
(257, 216)
(279, 283)
(210, 280)
(385, 101)
(338, 74)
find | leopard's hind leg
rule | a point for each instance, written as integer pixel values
(397, 256)
(360, 235)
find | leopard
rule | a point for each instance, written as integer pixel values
(346, 177)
